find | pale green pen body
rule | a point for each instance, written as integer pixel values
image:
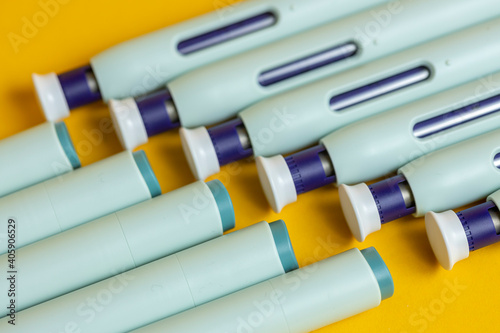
(118, 242)
(164, 287)
(454, 176)
(77, 197)
(35, 155)
(298, 302)
(122, 71)
(453, 60)
(219, 91)
(368, 149)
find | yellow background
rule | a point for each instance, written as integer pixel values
(423, 301)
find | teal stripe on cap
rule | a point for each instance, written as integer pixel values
(147, 173)
(67, 144)
(284, 245)
(379, 268)
(224, 203)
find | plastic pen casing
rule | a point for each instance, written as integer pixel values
(146, 63)
(35, 155)
(77, 197)
(217, 92)
(167, 286)
(367, 149)
(169, 48)
(220, 90)
(309, 115)
(298, 302)
(303, 116)
(444, 179)
(420, 128)
(119, 242)
(456, 175)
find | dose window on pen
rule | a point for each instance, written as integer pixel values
(227, 33)
(380, 88)
(307, 64)
(457, 117)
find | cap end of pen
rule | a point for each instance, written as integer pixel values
(200, 152)
(51, 96)
(128, 123)
(447, 237)
(360, 210)
(276, 181)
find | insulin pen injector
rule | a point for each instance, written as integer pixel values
(454, 235)
(146, 63)
(438, 181)
(169, 285)
(302, 301)
(122, 241)
(80, 196)
(35, 155)
(433, 118)
(217, 92)
(317, 109)
(208, 149)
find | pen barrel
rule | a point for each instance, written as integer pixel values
(298, 302)
(377, 153)
(225, 88)
(455, 175)
(119, 242)
(35, 155)
(164, 287)
(301, 117)
(148, 62)
(77, 197)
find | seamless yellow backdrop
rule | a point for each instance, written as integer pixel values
(427, 298)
